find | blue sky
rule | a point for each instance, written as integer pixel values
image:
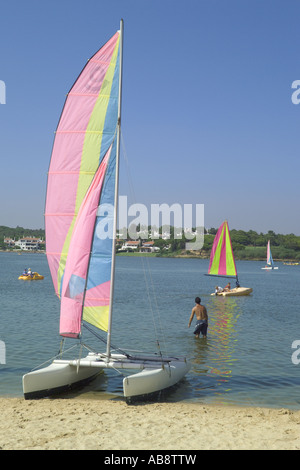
(207, 115)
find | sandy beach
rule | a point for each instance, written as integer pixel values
(93, 424)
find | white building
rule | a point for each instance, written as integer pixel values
(130, 245)
(9, 241)
(29, 243)
(148, 247)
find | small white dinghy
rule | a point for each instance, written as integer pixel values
(222, 263)
(236, 291)
(80, 215)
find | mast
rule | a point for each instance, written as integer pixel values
(116, 197)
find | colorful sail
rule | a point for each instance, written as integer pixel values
(75, 290)
(81, 171)
(222, 262)
(269, 255)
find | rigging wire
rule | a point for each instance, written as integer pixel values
(98, 336)
(150, 288)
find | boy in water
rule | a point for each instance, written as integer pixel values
(202, 318)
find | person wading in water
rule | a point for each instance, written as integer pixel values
(202, 319)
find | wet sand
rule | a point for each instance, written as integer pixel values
(93, 424)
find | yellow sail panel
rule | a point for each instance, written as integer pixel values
(97, 316)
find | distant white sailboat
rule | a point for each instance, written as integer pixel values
(83, 178)
(270, 262)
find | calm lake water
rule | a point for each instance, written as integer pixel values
(245, 360)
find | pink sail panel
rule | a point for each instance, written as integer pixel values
(216, 251)
(84, 133)
(76, 269)
(99, 295)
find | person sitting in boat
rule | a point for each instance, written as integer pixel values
(218, 290)
(25, 273)
(227, 287)
(29, 273)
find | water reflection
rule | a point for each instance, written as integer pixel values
(214, 357)
(246, 359)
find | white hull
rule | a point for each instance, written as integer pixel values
(237, 291)
(55, 379)
(150, 381)
(269, 268)
(152, 375)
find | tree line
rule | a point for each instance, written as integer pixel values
(246, 245)
(252, 245)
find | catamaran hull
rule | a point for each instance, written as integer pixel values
(238, 291)
(150, 382)
(270, 268)
(56, 378)
(151, 375)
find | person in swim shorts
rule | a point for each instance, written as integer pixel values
(202, 319)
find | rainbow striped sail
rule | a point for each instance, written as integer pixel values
(81, 180)
(222, 262)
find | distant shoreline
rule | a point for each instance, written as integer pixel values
(155, 255)
(206, 256)
(249, 246)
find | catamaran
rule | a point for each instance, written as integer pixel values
(81, 235)
(270, 262)
(222, 262)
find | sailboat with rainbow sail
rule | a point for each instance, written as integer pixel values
(270, 262)
(81, 222)
(222, 262)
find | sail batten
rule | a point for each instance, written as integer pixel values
(79, 132)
